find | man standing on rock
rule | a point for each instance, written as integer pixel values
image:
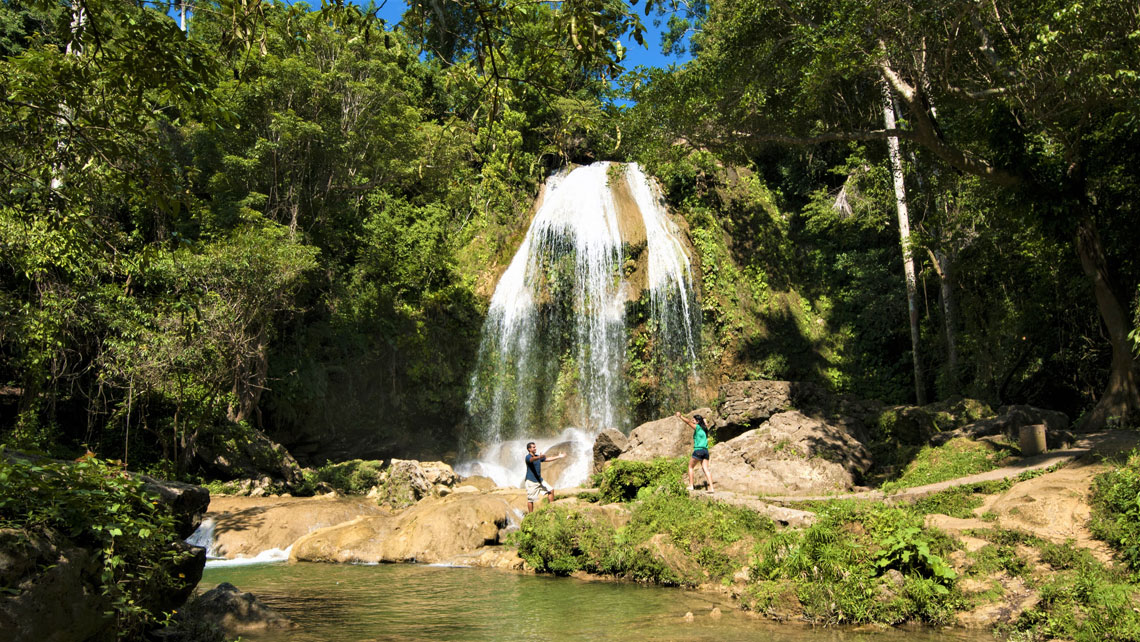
(700, 455)
(535, 486)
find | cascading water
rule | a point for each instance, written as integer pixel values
(601, 247)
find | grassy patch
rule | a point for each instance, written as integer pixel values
(861, 563)
(1083, 601)
(956, 502)
(956, 458)
(705, 540)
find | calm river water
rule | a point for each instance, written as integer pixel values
(344, 603)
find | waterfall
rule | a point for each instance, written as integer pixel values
(599, 251)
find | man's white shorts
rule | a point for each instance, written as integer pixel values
(535, 490)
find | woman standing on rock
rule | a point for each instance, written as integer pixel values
(700, 448)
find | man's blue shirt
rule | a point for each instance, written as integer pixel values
(534, 468)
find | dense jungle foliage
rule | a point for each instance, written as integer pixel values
(286, 222)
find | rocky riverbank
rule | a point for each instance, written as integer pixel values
(793, 532)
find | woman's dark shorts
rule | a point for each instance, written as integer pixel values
(701, 453)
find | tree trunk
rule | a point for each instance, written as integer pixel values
(1121, 397)
(943, 265)
(904, 238)
(250, 376)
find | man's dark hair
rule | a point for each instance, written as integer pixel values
(529, 444)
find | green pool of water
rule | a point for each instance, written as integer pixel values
(344, 603)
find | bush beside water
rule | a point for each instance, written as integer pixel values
(98, 506)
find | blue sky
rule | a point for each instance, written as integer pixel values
(636, 55)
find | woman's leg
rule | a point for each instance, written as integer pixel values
(708, 474)
(691, 462)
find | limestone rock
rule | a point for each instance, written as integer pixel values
(59, 603)
(187, 501)
(661, 548)
(407, 484)
(500, 557)
(790, 453)
(247, 453)
(608, 445)
(246, 526)
(434, 530)
(236, 612)
(745, 405)
(438, 473)
(479, 482)
(668, 437)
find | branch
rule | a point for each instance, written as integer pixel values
(925, 132)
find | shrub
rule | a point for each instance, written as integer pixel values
(1083, 602)
(702, 530)
(621, 481)
(560, 541)
(354, 477)
(1116, 510)
(99, 506)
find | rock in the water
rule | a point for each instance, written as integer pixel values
(608, 445)
(790, 453)
(246, 526)
(187, 501)
(434, 530)
(668, 437)
(236, 612)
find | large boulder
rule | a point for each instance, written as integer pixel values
(790, 453)
(668, 437)
(745, 405)
(238, 451)
(436, 529)
(187, 501)
(57, 598)
(246, 526)
(608, 445)
(235, 612)
(407, 484)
